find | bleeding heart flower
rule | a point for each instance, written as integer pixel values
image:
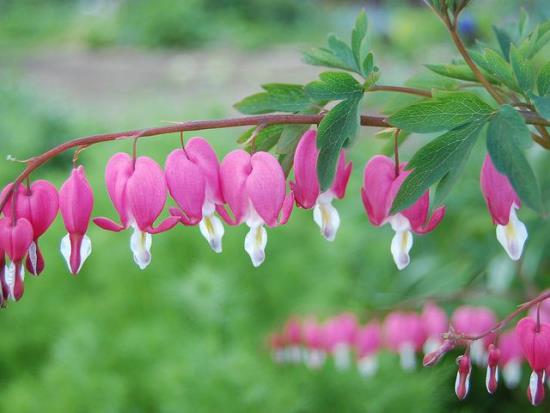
(193, 178)
(534, 339)
(511, 358)
(368, 341)
(491, 378)
(138, 192)
(293, 339)
(314, 342)
(76, 202)
(380, 187)
(404, 333)
(462, 382)
(435, 324)
(502, 202)
(306, 188)
(38, 204)
(15, 240)
(254, 188)
(474, 321)
(340, 333)
(4, 292)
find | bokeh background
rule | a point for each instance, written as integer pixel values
(189, 333)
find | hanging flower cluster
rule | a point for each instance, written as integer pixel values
(242, 188)
(408, 334)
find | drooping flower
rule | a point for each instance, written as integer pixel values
(76, 202)
(462, 382)
(534, 339)
(491, 377)
(314, 342)
(474, 321)
(254, 187)
(38, 204)
(502, 202)
(193, 179)
(306, 186)
(138, 192)
(368, 341)
(277, 346)
(292, 334)
(435, 324)
(380, 187)
(340, 332)
(4, 292)
(15, 240)
(511, 358)
(404, 333)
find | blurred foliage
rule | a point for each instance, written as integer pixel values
(188, 334)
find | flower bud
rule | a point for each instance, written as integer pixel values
(431, 359)
(462, 383)
(491, 379)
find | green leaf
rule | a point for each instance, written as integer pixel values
(368, 65)
(266, 138)
(337, 127)
(290, 136)
(278, 97)
(542, 104)
(334, 86)
(500, 68)
(358, 36)
(342, 51)
(543, 80)
(514, 124)
(435, 160)
(287, 161)
(504, 41)
(448, 111)
(449, 180)
(523, 70)
(454, 71)
(509, 159)
(323, 57)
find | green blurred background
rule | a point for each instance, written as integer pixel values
(188, 334)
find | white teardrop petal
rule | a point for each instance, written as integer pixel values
(401, 245)
(65, 249)
(368, 366)
(407, 357)
(513, 235)
(85, 250)
(255, 243)
(328, 219)
(33, 257)
(511, 373)
(212, 229)
(140, 244)
(9, 277)
(342, 356)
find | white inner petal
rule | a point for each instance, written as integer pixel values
(255, 243)
(33, 256)
(315, 358)
(533, 385)
(342, 356)
(140, 244)
(488, 377)
(85, 250)
(212, 229)
(407, 357)
(478, 354)
(9, 277)
(401, 245)
(327, 217)
(65, 249)
(511, 373)
(513, 235)
(368, 366)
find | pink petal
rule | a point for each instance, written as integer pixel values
(76, 202)
(378, 178)
(108, 224)
(535, 344)
(186, 183)
(44, 204)
(498, 192)
(306, 187)
(404, 328)
(341, 179)
(16, 239)
(266, 186)
(202, 154)
(117, 173)
(146, 192)
(234, 171)
(164, 226)
(286, 210)
(435, 320)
